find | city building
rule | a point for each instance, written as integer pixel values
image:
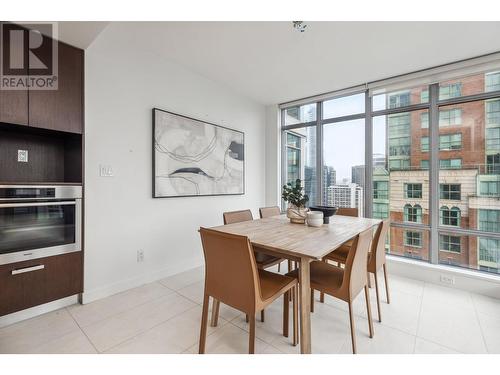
(349, 195)
(469, 174)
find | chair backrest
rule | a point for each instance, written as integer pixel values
(345, 211)
(377, 256)
(231, 274)
(237, 216)
(355, 268)
(269, 211)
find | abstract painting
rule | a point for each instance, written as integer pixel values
(194, 158)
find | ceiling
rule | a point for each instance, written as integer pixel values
(271, 62)
(80, 34)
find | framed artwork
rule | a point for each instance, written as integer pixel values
(195, 158)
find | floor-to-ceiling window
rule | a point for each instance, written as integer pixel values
(433, 170)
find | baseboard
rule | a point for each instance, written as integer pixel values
(37, 310)
(123, 285)
(463, 279)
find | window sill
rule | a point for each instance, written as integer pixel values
(468, 280)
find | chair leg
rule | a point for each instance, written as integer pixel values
(378, 298)
(286, 313)
(321, 294)
(312, 300)
(369, 311)
(247, 318)
(215, 313)
(290, 269)
(204, 322)
(353, 334)
(251, 339)
(262, 316)
(279, 267)
(386, 283)
(295, 305)
(369, 279)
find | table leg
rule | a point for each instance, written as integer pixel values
(305, 306)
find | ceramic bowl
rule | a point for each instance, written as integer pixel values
(326, 210)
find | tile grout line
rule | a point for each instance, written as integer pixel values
(84, 333)
(480, 325)
(419, 317)
(156, 325)
(426, 339)
(121, 312)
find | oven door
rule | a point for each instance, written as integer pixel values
(31, 230)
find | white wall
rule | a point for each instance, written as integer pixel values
(273, 157)
(123, 83)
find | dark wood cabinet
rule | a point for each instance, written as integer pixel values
(61, 276)
(13, 103)
(14, 107)
(61, 109)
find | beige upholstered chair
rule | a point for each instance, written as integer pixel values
(268, 212)
(345, 283)
(232, 277)
(263, 260)
(376, 260)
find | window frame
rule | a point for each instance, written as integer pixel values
(432, 103)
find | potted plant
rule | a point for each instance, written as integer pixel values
(293, 194)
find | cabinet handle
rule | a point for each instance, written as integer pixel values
(28, 269)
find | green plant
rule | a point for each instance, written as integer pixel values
(293, 194)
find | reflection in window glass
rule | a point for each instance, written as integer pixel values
(344, 106)
(300, 114)
(301, 159)
(400, 99)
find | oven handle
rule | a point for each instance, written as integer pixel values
(55, 203)
(28, 269)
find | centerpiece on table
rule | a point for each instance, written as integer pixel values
(296, 199)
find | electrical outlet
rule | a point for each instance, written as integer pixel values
(22, 156)
(106, 171)
(445, 279)
(140, 256)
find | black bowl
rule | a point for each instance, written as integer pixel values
(327, 212)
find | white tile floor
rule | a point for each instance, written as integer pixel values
(164, 317)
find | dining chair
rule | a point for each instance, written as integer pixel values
(233, 277)
(376, 260)
(268, 212)
(344, 248)
(263, 260)
(347, 211)
(345, 283)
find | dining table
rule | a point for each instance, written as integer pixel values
(301, 243)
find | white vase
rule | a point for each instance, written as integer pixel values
(297, 215)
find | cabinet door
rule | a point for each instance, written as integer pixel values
(14, 107)
(34, 282)
(61, 109)
(13, 103)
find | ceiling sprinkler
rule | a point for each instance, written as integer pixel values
(299, 26)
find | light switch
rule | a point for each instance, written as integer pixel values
(105, 171)
(22, 156)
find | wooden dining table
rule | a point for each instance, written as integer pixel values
(301, 243)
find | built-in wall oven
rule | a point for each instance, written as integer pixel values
(39, 221)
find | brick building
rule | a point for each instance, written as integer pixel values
(469, 176)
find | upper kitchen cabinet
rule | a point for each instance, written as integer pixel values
(14, 107)
(14, 103)
(61, 109)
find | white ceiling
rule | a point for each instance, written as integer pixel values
(271, 62)
(80, 34)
